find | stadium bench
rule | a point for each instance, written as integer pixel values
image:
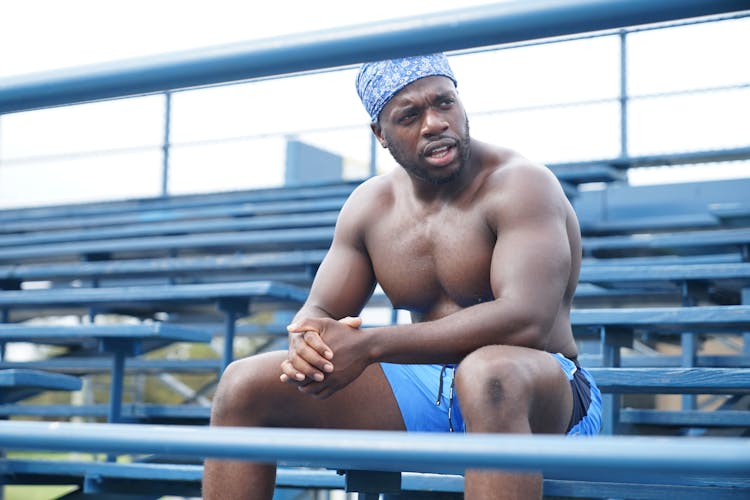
(659, 260)
(283, 200)
(678, 243)
(119, 341)
(232, 242)
(731, 212)
(613, 328)
(613, 273)
(290, 266)
(233, 299)
(617, 327)
(726, 240)
(309, 215)
(623, 208)
(299, 267)
(582, 174)
(650, 223)
(18, 384)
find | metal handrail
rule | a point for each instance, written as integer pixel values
(444, 31)
(395, 451)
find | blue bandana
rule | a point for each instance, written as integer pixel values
(378, 82)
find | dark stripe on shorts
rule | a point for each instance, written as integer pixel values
(581, 397)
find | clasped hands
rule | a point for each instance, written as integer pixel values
(310, 361)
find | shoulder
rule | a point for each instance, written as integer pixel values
(367, 202)
(513, 170)
(515, 183)
(375, 192)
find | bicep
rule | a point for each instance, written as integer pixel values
(344, 281)
(532, 265)
(532, 260)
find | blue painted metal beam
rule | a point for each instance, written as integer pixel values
(399, 451)
(460, 29)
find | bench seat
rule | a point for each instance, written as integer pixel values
(117, 341)
(281, 200)
(144, 300)
(209, 265)
(18, 384)
(676, 243)
(209, 243)
(322, 213)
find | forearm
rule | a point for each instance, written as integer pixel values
(449, 339)
(309, 310)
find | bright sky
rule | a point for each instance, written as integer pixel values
(43, 35)
(49, 34)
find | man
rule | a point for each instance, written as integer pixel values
(481, 246)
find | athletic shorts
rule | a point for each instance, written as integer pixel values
(416, 388)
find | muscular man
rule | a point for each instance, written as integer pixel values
(481, 246)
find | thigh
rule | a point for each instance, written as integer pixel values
(366, 403)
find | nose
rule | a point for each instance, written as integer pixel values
(433, 122)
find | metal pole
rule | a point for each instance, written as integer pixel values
(603, 456)
(230, 326)
(166, 144)
(623, 94)
(472, 27)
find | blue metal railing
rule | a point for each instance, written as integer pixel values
(613, 457)
(459, 29)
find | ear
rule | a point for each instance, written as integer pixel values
(378, 131)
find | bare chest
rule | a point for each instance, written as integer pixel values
(433, 265)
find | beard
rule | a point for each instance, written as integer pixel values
(415, 168)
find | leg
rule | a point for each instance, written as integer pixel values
(250, 394)
(508, 389)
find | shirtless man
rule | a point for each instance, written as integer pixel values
(481, 246)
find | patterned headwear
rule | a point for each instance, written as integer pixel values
(378, 82)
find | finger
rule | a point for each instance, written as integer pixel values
(301, 326)
(293, 373)
(313, 339)
(285, 378)
(311, 348)
(289, 374)
(354, 322)
(303, 349)
(302, 368)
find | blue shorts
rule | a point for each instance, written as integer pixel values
(416, 389)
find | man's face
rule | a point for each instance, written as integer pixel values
(426, 130)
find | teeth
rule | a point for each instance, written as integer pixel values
(439, 151)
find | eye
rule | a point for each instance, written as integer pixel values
(447, 102)
(407, 117)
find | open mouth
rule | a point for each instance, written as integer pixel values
(440, 152)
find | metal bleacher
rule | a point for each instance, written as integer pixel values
(662, 308)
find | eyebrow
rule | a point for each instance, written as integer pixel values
(444, 95)
(409, 103)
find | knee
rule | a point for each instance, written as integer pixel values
(240, 389)
(493, 379)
